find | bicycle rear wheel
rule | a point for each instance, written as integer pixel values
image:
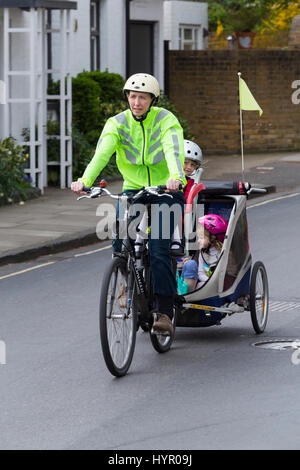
(117, 321)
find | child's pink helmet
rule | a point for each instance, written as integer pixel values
(215, 224)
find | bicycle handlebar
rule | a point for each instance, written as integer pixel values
(242, 188)
(256, 190)
(94, 192)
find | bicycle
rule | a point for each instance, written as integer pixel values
(119, 324)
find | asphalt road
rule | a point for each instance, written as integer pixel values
(213, 390)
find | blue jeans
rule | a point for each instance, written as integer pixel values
(164, 281)
(190, 270)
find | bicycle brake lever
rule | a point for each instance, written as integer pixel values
(156, 193)
(93, 194)
(96, 192)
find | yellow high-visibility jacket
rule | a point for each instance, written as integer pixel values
(148, 152)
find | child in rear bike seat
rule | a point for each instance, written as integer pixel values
(211, 231)
(192, 170)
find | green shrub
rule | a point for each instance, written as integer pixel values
(82, 153)
(111, 85)
(53, 87)
(53, 144)
(13, 182)
(86, 98)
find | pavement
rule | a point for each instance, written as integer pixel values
(56, 221)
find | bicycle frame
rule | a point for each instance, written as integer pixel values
(135, 275)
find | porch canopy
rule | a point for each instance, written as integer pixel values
(49, 4)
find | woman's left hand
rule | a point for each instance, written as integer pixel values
(173, 185)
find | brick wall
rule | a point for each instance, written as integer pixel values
(204, 87)
(294, 36)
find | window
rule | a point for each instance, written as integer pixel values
(189, 37)
(95, 34)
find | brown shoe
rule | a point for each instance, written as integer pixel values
(122, 296)
(163, 325)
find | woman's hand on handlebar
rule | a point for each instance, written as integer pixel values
(77, 187)
(173, 185)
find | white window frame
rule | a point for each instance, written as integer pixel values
(195, 41)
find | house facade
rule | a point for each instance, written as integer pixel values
(127, 36)
(56, 39)
(186, 25)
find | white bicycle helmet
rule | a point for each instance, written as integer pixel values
(193, 152)
(142, 82)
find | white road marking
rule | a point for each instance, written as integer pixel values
(92, 252)
(27, 270)
(273, 200)
(282, 306)
(23, 271)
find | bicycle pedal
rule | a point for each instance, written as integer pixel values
(159, 333)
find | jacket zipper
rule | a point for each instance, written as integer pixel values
(143, 156)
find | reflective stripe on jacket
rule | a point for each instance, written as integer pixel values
(148, 153)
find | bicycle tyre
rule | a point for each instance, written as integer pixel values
(117, 329)
(259, 297)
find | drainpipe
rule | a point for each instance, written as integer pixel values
(166, 67)
(127, 33)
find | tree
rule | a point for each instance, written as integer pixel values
(255, 12)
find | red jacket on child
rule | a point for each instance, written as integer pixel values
(188, 186)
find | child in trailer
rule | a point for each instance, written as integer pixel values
(192, 165)
(192, 170)
(211, 231)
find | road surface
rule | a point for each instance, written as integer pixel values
(213, 390)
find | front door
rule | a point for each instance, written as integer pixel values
(140, 47)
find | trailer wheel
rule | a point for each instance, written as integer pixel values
(259, 297)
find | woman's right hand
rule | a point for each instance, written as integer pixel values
(77, 187)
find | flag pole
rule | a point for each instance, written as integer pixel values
(241, 131)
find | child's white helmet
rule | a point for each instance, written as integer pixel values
(192, 151)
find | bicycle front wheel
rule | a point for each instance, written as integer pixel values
(117, 318)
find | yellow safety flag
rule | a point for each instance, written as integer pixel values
(247, 100)
(219, 29)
